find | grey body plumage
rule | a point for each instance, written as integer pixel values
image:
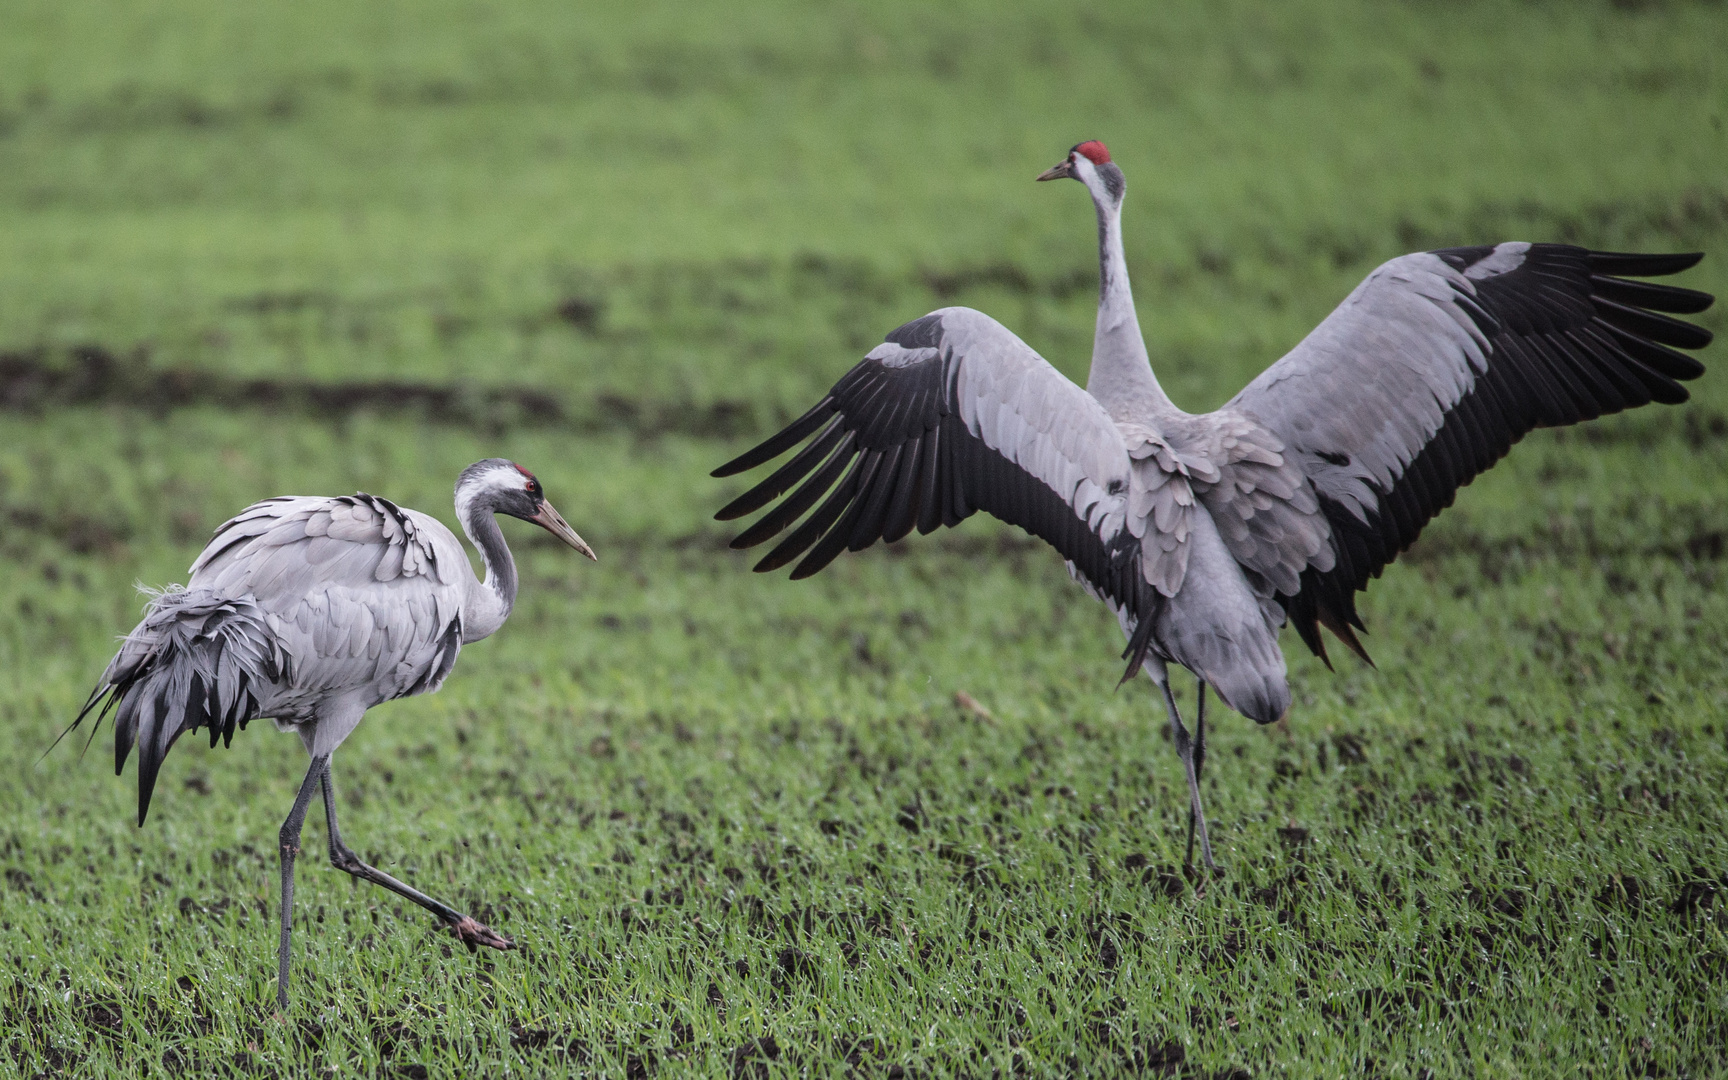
(1206, 533)
(309, 611)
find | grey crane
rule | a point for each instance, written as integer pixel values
(1206, 533)
(310, 611)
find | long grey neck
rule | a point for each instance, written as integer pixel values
(489, 601)
(1121, 377)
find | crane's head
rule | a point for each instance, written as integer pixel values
(500, 486)
(1089, 162)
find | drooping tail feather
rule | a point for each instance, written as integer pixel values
(197, 660)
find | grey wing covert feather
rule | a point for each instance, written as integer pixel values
(362, 594)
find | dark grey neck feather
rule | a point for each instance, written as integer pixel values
(482, 528)
(1103, 252)
(1109, 206)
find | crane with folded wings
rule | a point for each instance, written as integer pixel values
(310, 611)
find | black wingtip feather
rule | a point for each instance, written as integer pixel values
(1658, 328)
(814, 525)
(773, 447)
(1658, 358)
(902, 512)
(785, 476)
(931, 477)
(865, 528)
(1636, 264)
(834, 541)
(1670, 298)
(777, 519)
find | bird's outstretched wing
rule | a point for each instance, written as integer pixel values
(950, 415)
(1440, 361)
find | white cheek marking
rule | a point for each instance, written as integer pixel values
(501, 479)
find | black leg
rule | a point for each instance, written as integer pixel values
(1199, 764)
(289, 839)
(473, 934)
(1185, 750)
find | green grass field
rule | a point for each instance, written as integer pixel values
(738, 824)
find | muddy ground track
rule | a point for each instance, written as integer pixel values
(92, 375)
(35, 381)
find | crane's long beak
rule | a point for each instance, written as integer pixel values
(553, 522)
(1062, 171)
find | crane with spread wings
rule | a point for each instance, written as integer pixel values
(1207, 533)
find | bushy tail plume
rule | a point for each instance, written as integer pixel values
(197, 660)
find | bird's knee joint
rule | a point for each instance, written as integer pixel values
(290, 848)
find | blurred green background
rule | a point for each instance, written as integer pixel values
(738, 823)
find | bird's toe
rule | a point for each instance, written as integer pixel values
(475, 934)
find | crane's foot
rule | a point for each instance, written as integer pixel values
(475, 934)
(1202, 877)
